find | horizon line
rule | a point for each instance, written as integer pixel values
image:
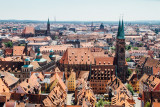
(75, 20)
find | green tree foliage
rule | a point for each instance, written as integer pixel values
(128, 47)
(128, 59)
(21, 45)
(101, 103)
(135, 48)
(141, 44)
(147, 104)
(113, 48)
(8, 44)
(129, 72)
(130, 88)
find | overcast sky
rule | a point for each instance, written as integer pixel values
(80, 10)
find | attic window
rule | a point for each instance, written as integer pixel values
(85, 53)
(72, 52)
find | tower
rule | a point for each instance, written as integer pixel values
(27, 68)
(101, 26)
(52, 56)
(122, 71)
(92, 27)
(48, 28)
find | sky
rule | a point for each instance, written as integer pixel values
(80, 10)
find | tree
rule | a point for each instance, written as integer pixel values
(147, 104)
(101, 103)
(113, 48)
(135, 48)
(8, 44)
(128, 59)
(141, 44)
(130, 88)
(128, 47)
(129, 72)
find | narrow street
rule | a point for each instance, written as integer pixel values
(138, 102)
(69, 98)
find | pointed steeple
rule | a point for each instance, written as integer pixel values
(48, 28)
(119, 29)
(120, 34)
(48, 21)
(122, 30)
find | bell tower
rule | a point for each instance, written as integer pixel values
(122, 69)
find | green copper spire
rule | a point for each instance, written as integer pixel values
(120, 34)
(119, 29)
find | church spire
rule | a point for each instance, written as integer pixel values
(48, 21)
(119, 29)
(120, 34)
(48, 28)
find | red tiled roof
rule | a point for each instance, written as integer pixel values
(18, 50)
(29, 30)
(104, 60)
(77, 56)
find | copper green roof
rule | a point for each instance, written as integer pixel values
(27, 66)
(51, 50)
(120, 34)
(40, 60)
(39, 54)
(27, 59)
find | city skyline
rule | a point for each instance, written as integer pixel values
(85, 10)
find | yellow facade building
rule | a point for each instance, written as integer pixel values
(71, 82)
(133, 81)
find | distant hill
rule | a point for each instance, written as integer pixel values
(84, 22)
